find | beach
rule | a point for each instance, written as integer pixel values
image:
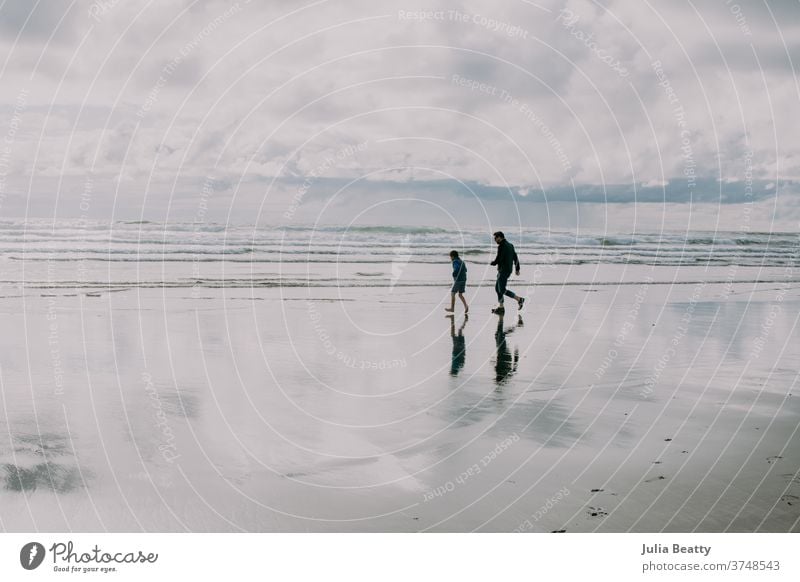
(143, 396)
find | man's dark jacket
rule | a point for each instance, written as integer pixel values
(506, 258)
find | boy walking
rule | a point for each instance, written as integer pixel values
(459, 282)
(505, 260)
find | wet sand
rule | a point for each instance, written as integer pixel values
(604, 408)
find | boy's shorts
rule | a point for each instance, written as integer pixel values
(459, 287)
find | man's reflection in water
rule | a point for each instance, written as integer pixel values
(459, 346)
(506, 364)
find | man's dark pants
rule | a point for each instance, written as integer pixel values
(500, 287)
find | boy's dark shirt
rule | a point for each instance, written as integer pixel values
(459, 270)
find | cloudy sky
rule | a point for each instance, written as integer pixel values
(603, 114)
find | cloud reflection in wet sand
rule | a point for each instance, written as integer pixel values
(33, 464)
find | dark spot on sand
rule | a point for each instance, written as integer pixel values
(667, 440)
(597, 512)
(596, 490)
(791, 477)
(559, 531)
(774, 458)
(684, 452)
(657, 462)
(293, 475)
(659, 478)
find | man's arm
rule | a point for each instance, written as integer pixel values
(497, 258)
(516, 261)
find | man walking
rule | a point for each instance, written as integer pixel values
(506, 260)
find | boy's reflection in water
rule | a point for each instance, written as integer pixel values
(459, 346)
(506, 364)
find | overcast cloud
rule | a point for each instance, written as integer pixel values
(612, 114)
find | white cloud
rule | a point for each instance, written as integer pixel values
(155, 91)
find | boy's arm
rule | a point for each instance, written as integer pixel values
(456, 268)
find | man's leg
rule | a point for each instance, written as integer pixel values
(500, 287)
(513, 295)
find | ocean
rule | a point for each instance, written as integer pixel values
(64, 254)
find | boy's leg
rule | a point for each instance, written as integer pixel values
(452, 302)
(464, 301)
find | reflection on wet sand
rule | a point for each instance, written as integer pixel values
(506, 363)
(45, 475)
(546, 422)
(262, 449)
(459, 346)
(32, 467)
